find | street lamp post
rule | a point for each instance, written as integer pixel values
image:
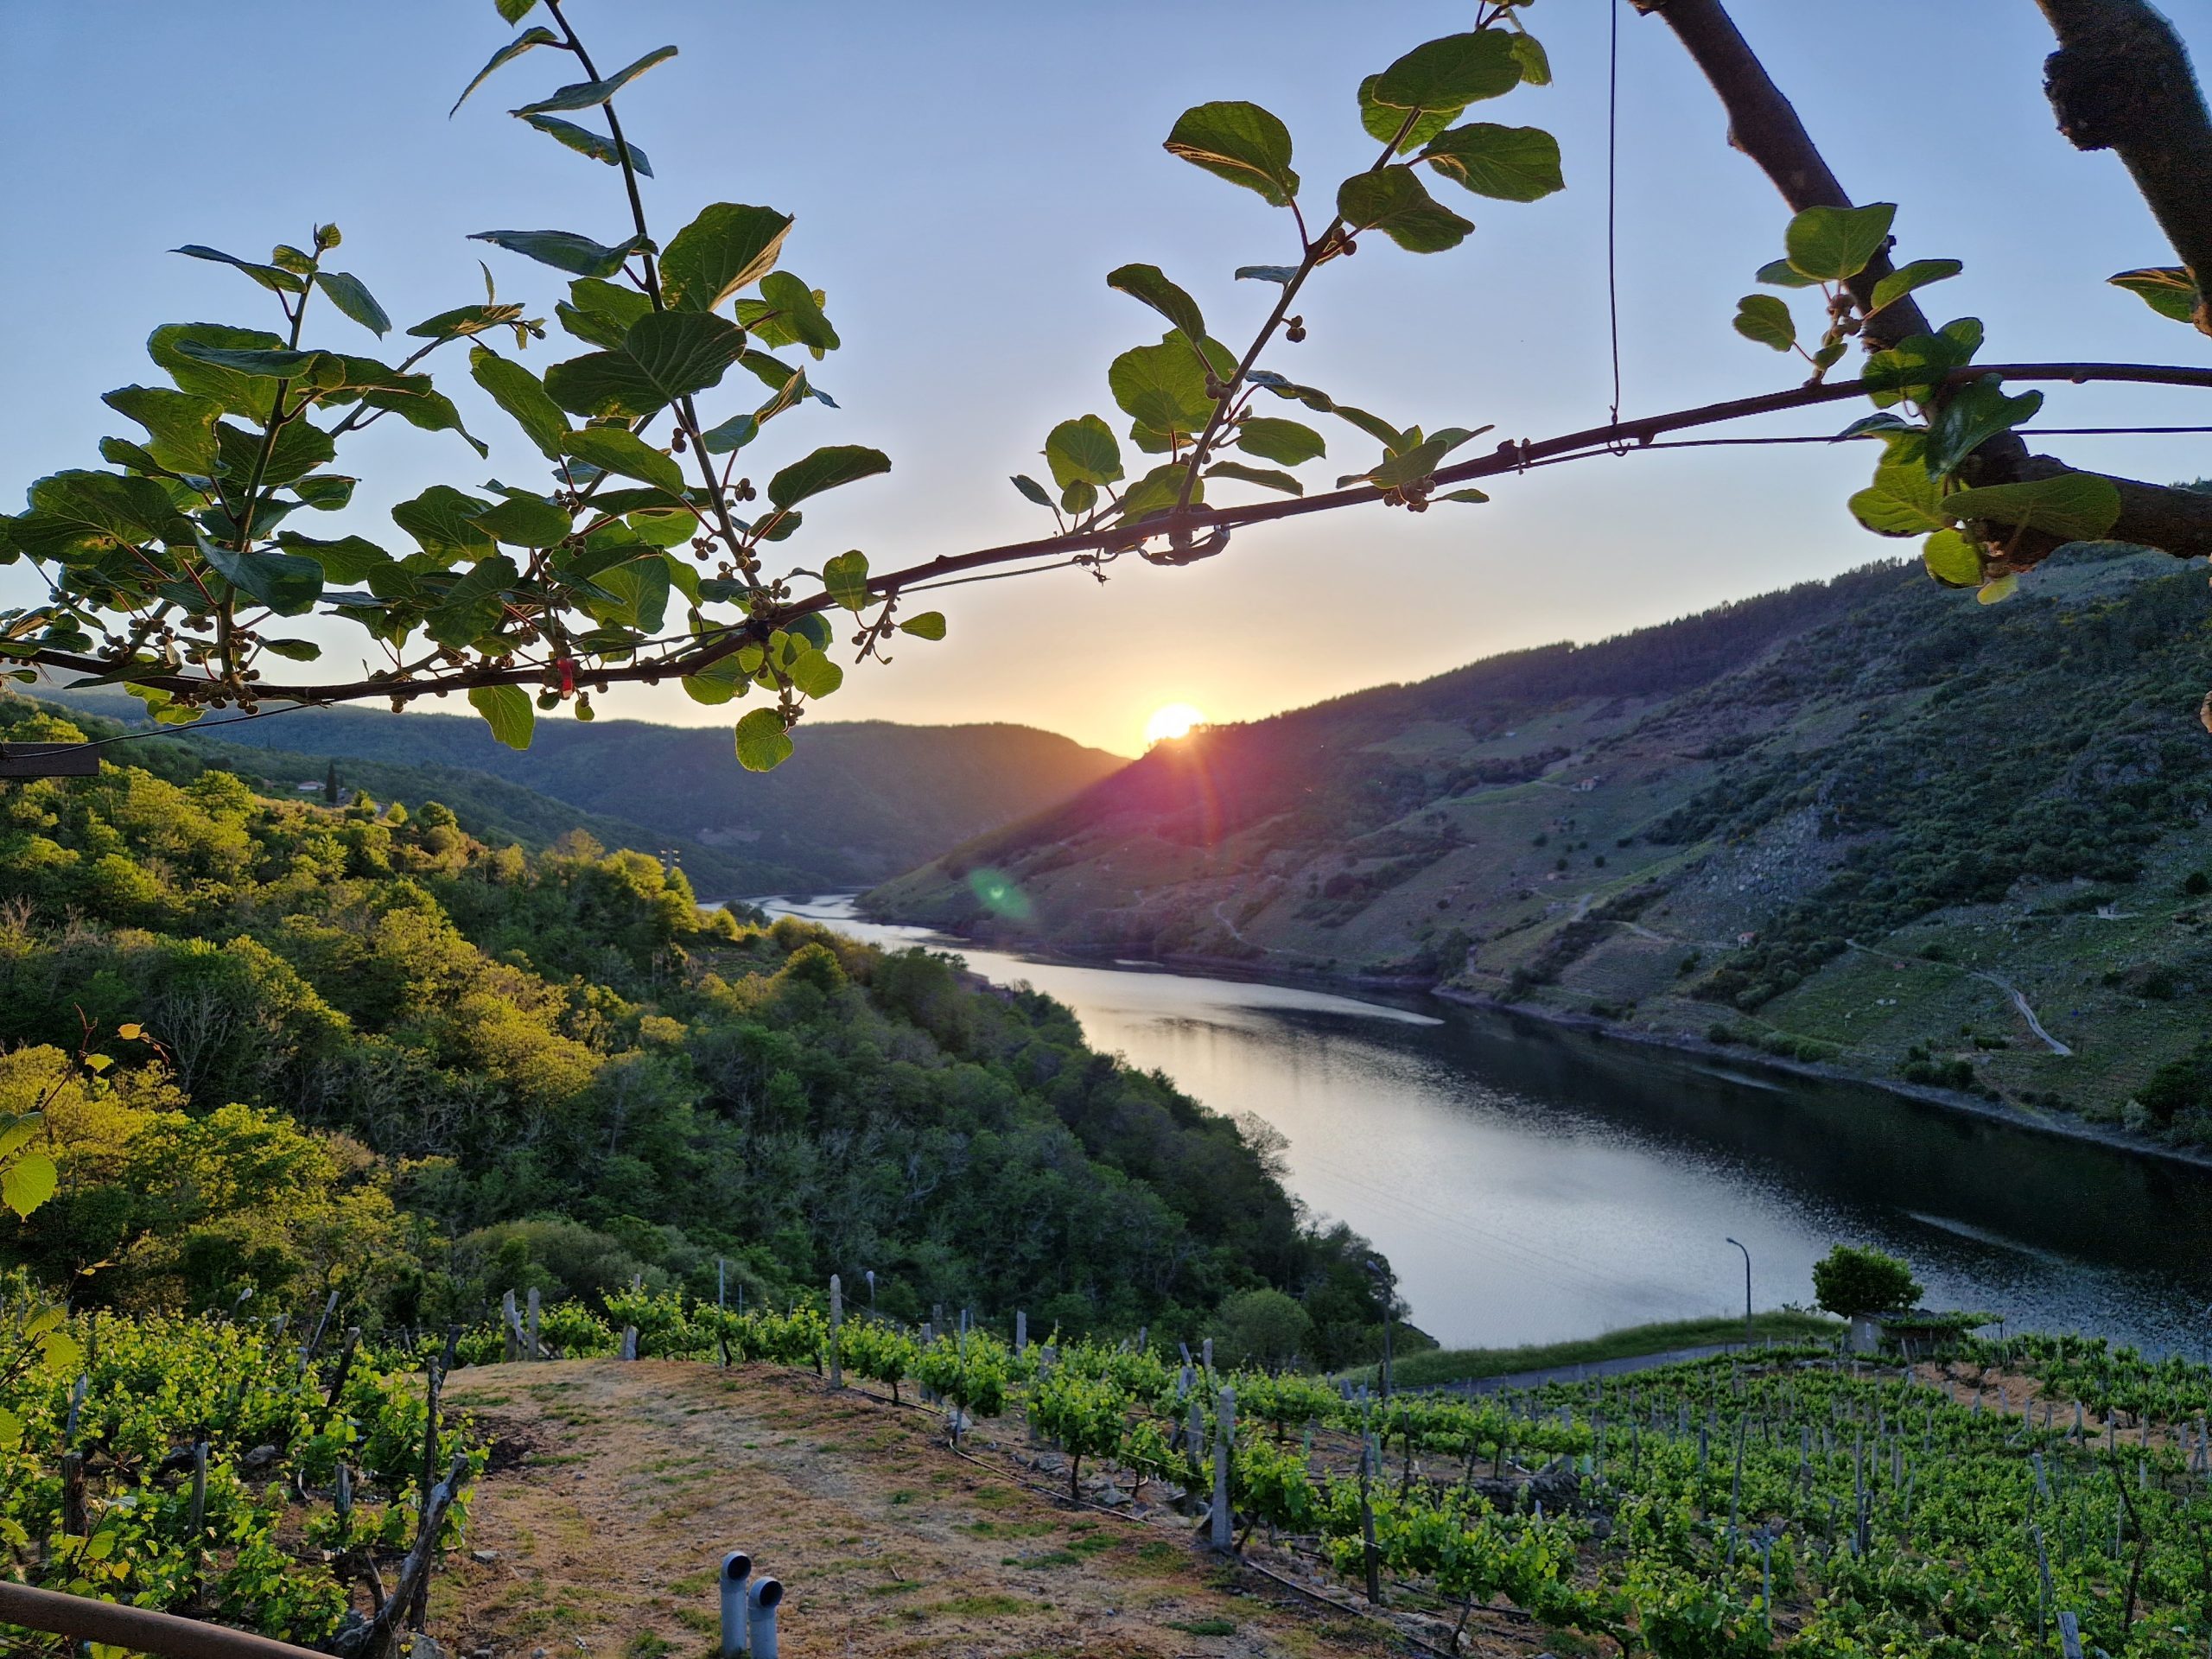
(1747, 1289)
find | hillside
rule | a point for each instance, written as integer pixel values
(859, 801)
(360, 1050)
(1864, 821)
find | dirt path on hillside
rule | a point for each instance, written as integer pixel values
(619, 1486)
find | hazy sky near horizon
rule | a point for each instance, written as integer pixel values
(963, 175)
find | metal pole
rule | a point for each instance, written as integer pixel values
(1747, 1289)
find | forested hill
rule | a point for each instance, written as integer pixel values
(359, 1049)
(857, 801)
(1847, 823)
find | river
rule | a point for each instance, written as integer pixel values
(1529, 1185)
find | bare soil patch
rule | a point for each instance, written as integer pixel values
(606, 1531)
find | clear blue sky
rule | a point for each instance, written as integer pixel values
(963, 175)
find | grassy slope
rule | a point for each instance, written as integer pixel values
(1438, 831)
(1440, 1365)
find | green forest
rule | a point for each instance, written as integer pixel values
(292, 1049)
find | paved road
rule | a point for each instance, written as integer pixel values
(1580, 1373)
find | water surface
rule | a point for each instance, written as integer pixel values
(1529, 1185)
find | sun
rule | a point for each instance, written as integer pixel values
(1172, 721)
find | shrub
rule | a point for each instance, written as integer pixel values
(1852, 1280)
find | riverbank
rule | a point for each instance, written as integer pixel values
(1737, 1057)
(2011, 1114)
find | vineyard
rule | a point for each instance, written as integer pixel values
(222, 1470)
(2016, 1498)
(2039, 1494)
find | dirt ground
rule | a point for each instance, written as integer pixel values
(616, 1489)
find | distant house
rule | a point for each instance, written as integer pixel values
(1747, 938)
(309, 789)
(1587, 784)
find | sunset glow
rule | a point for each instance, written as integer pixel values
(1172, 721)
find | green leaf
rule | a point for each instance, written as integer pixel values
(513, 11)
(324, 492)
(351, 295)
(1147, 283)
(1084, 451)
(813, 675)
(1901, 501)
(1780, 273)
(1031, 489)
(1282, 274)
(28, 1182)
(2167, 289)
(471, 607)
(273, 277)
(719, 681)
(1239, 142)
(1374, 425)
(285, 583)
(845, 580)
(1260, 475)
(237, 392)
(1765, 319)
(1450, 73)
(1509, 163)
(180, 428)
(825, 469)
(1952, 559)
(929, 625)
(1905, 278)
(507, 710)
(798, 311)
(465, 320)
(504, 56)
(640, 588)
(585, 142)
(1394, 200)
(1158, 490)
(443, 521)
(1287, 442)
(1386, 123)
(663, 355)
(349, 558)
(1162, 387)
(1536, 70)
(1916, 364)
(297, 651)
(526, 521)
(1470, 495)
(733, 434)
(613, 449)
(1079, 498)
(727, 247)
(586, 94)
(301, 446)
(762, 743)
(1971, 415)
(563, 249)
(1997, 589)
(78, 512)
(2073, 506)
(1832, 244)
(519, 392)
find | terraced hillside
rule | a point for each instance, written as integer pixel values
(1865, 822)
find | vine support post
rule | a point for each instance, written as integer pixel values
(836, 1323)
(1224, 1443)
(531, 1347)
